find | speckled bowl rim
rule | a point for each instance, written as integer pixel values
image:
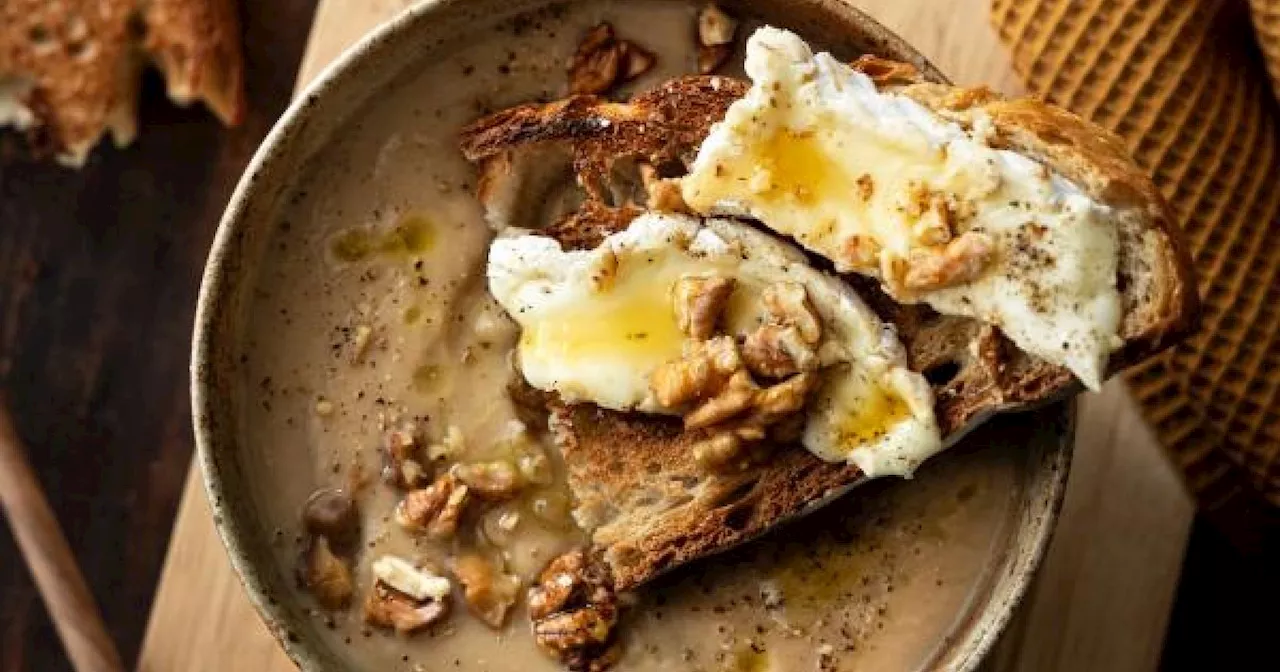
(976, 636)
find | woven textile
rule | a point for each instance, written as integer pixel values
(1186, 84)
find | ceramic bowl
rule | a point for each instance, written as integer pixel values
(320, 112)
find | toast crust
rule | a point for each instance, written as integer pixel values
(649, 506)
(77, 59)
(80, 61)
(652, 507)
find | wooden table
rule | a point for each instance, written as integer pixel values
(99, 269)
(1101, 601)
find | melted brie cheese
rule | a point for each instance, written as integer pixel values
(597, 323)
(863, 177)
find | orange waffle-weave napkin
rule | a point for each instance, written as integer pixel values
(1185, 83)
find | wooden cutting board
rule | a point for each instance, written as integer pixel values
(1101, 601)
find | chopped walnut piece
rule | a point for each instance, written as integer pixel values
(402, 575)
(960, 261)
(602, 60)
(778, 351)
(595, 65)
(734, 400)
(557, 583)
(788, 303)
(699, 302)
(705, 367)
(884, 71)
(488, 591)
(325, 575)
(574, 610)
(861, 253)
(577, 629)
(784, 345)
(715, 38)
(388, 608)
(636, 60)
(718, 451)
(435, 509)
(935, 219)
(785, 398)
(400, 466)
(735, 443)
(715, 27)
(497, 480)
(866, 186)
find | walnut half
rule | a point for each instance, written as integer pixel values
(786, 343)
(434, 510)
(400, 456)
(735, 399)
(700, 300)
(602, 60)
(700, 374)
(961, 260)
(778, 351)
(574, 610)
(388, 608)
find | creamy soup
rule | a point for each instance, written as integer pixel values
(371, 314)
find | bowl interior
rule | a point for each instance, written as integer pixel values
(247, 484)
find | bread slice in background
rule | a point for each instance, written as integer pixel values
(648, 506)
(196, 45)
(70, 70)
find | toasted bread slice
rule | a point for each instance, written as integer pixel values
(648, 505)
(196, 44)
(70, 71)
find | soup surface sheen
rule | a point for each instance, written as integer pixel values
(371, 309)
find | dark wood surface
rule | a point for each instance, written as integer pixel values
(1227, 615)
(98, 276)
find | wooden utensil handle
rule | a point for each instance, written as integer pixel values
(66, 596)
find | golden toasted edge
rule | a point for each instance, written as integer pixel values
(659, 126)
